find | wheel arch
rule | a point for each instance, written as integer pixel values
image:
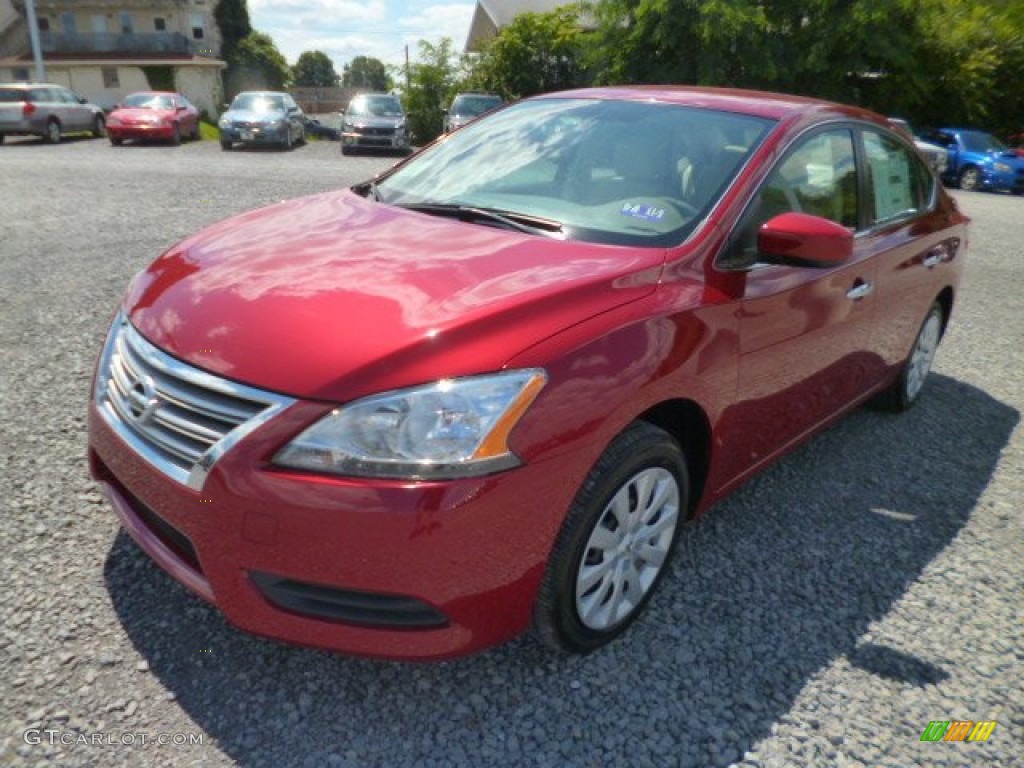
(945, 301)
(688, 424)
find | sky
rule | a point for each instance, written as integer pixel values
(344, 29)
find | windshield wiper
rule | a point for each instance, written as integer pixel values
(521, 222)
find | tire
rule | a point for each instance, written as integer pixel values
(286, 144)
(53, 133)
(616, 542)
(99, 127)
(225, 145)
(970, 178)
(346, 150)
(2, 137)
(116, 142)
(906, 390)
(196, 133)
(302, 137)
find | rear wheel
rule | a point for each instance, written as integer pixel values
(970, 178)
(906, 390)
(53, 133)
(615, 543)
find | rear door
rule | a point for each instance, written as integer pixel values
(909, 236)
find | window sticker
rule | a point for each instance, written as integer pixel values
(643, 211)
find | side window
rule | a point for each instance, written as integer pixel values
(818, 176)
(899, 185)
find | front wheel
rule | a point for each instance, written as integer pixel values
(176, 135)
(616, 542)
(906, 390)
(970, 178)
(225, 145)
(99, 127)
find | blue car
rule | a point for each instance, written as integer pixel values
(978, 160)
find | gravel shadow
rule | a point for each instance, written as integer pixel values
(774, 584)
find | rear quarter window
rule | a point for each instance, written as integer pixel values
(11, 95)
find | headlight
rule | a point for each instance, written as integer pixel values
(1003, 168)
(223, 123)
(451, 428)
(400, 126)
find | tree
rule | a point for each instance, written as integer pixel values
(314, 69)
(433, 79)
(258, 65)
(537, 52)
(366, 72)
(232, 17)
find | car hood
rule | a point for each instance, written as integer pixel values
(141, 113)
(334, 296)
(374, 121)
(248, 116)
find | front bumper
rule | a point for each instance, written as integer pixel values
(1010, 181)
(375, 141)
(464, 558)
(262, 134)
(140, 131)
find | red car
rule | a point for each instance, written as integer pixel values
(153, 115)
(481, 393)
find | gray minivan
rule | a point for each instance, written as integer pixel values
(49, 111)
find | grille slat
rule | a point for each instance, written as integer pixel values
(179, 418)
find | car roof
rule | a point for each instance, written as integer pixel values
(757, 103)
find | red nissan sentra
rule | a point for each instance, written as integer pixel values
(153, 115)
(480, 394)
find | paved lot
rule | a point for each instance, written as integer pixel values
(866, 585)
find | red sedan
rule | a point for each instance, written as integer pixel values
(153, 115)
(481, 393)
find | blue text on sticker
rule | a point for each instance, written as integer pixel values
(642, 211)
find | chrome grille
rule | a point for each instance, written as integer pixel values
(178, 418)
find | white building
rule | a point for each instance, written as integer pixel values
(106, 49)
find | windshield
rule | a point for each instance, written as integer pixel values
(377, 106)
(619, 172)
(976, 141)
(474, 105)
(258, 102)
(149, 101)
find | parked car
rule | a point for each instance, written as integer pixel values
(48, 111)
(978, 160)
(314, 127)
(1016, 142)
(467, 107)
(374, 121)
(933, 153)
(153, 115)
(483, 391)
(262, 117)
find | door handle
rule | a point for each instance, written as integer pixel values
(860, 289)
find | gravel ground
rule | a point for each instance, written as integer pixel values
(867, 584)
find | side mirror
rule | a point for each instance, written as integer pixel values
(82, 100)
(444, 112)
(802, 240)
(182, 108)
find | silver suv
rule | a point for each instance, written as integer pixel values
(49, 111)
(374, 121)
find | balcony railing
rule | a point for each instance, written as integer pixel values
(155, 42)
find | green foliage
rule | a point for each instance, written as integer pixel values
(933, 61)
(367, 73)
(433, 79)
(258, 65)
(160, 77)
(232, 18)
(314, 69)
(537, 52)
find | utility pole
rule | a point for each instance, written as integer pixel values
(33, 36)
(408, 85)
